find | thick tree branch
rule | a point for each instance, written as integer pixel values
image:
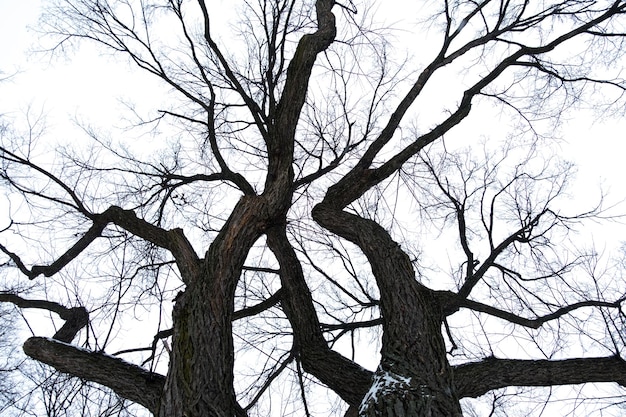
(127, 380)
(412, 343)
(301, 66)
(280, 141)
(349, 380)
(173, 240)
(477, 378)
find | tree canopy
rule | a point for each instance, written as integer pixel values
(335, 209)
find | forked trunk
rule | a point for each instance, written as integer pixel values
(200, 378)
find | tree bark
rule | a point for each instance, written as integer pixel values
(127, 380)
(200, 379)
(477, 378)
(414, 377)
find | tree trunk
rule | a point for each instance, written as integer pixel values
(399, 396)
(414, 377)
(200, 379)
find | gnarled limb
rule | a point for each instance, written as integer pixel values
(75, 317)
(173, 240)
(127, 380)
(413, 351)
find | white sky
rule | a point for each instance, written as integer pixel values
(87, 86)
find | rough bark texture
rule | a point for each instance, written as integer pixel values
(413, 350)
(200, 378)
(128, 380)
(415, 377)
(398, 396)
(478, 378)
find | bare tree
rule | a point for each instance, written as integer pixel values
(299, 212)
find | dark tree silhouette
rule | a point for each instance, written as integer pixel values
(295, 218)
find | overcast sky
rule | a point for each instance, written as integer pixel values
(86, 86)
